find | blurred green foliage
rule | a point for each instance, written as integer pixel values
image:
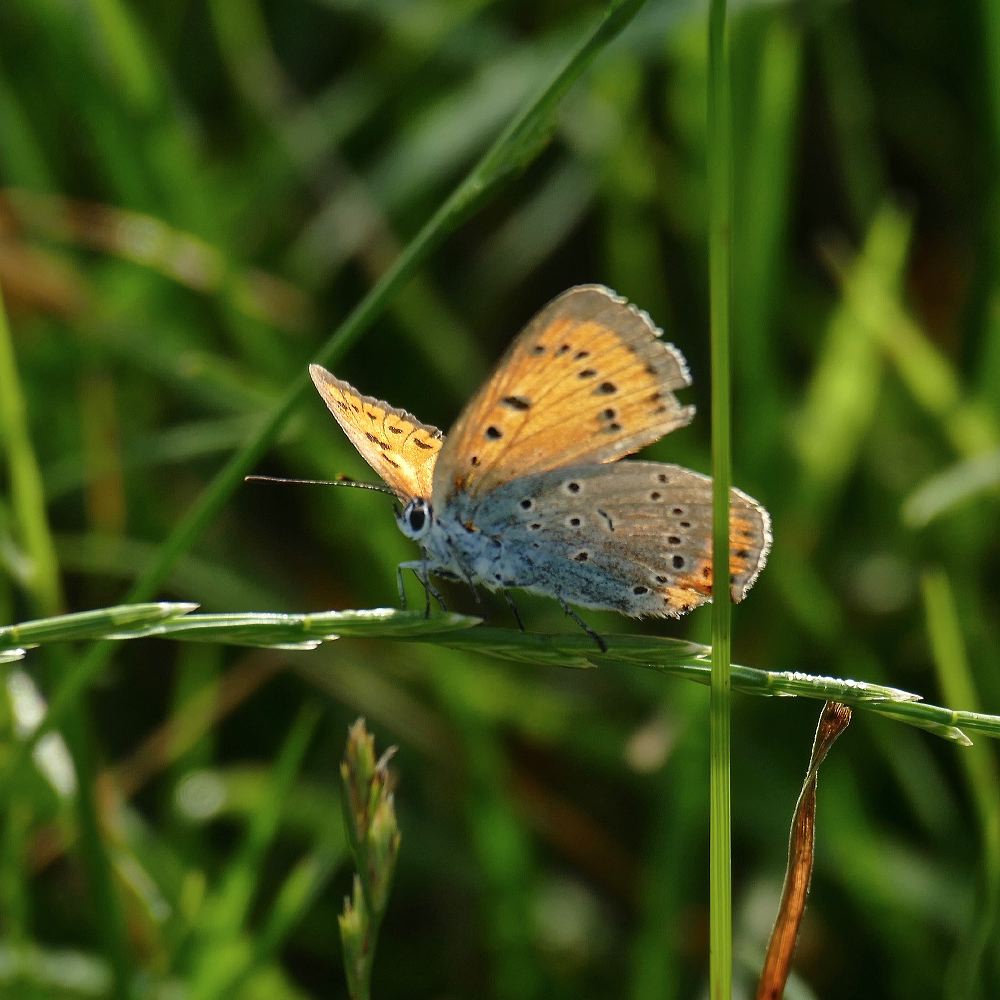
(194, 196)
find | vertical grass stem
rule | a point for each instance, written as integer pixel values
(720, 216)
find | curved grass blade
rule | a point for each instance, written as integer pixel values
(957, 485)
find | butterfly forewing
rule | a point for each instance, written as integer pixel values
(634, 537)
(400, 448)
(588, 380)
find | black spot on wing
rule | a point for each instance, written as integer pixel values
(384, 445)
(517, 403)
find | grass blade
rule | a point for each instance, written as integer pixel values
(27, 492)
(979, 766)
(96, 624)
(673, 657)
(720, 223)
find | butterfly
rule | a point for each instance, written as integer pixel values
(527, 491)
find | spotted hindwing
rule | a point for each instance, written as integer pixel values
(393, 442)
(634, 537)
(588, 380)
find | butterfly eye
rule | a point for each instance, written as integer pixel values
(415, 518)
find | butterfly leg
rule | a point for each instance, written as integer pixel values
(513, 608)
(425, 579)
(432, 591)
(400, 587)
(601, 644)
(419, 570)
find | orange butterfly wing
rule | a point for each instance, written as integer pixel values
(588, 380)
(393, 442)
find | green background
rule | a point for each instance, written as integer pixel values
(194, 196)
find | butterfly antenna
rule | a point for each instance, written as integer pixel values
(340, 481)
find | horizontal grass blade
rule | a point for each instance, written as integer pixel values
(97, 624)
(674, 657)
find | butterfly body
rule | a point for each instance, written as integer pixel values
(526, 491)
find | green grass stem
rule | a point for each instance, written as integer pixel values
(26, 488)
(676, 657)
(720, 229)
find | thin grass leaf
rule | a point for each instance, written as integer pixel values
(720, 261)
(980, 769)
(940, 721)
(98, 624)
(770, 83)
(691, 661)
(676, 657)
(21, 158)
(27, 492)
(957, 485)
(303, 886)
(149, 242)
(922, 367)
(31, 971)
(840, 404)
(302, 631)
(527, 647)
(527, 135)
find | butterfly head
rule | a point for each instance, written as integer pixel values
(415, 519)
